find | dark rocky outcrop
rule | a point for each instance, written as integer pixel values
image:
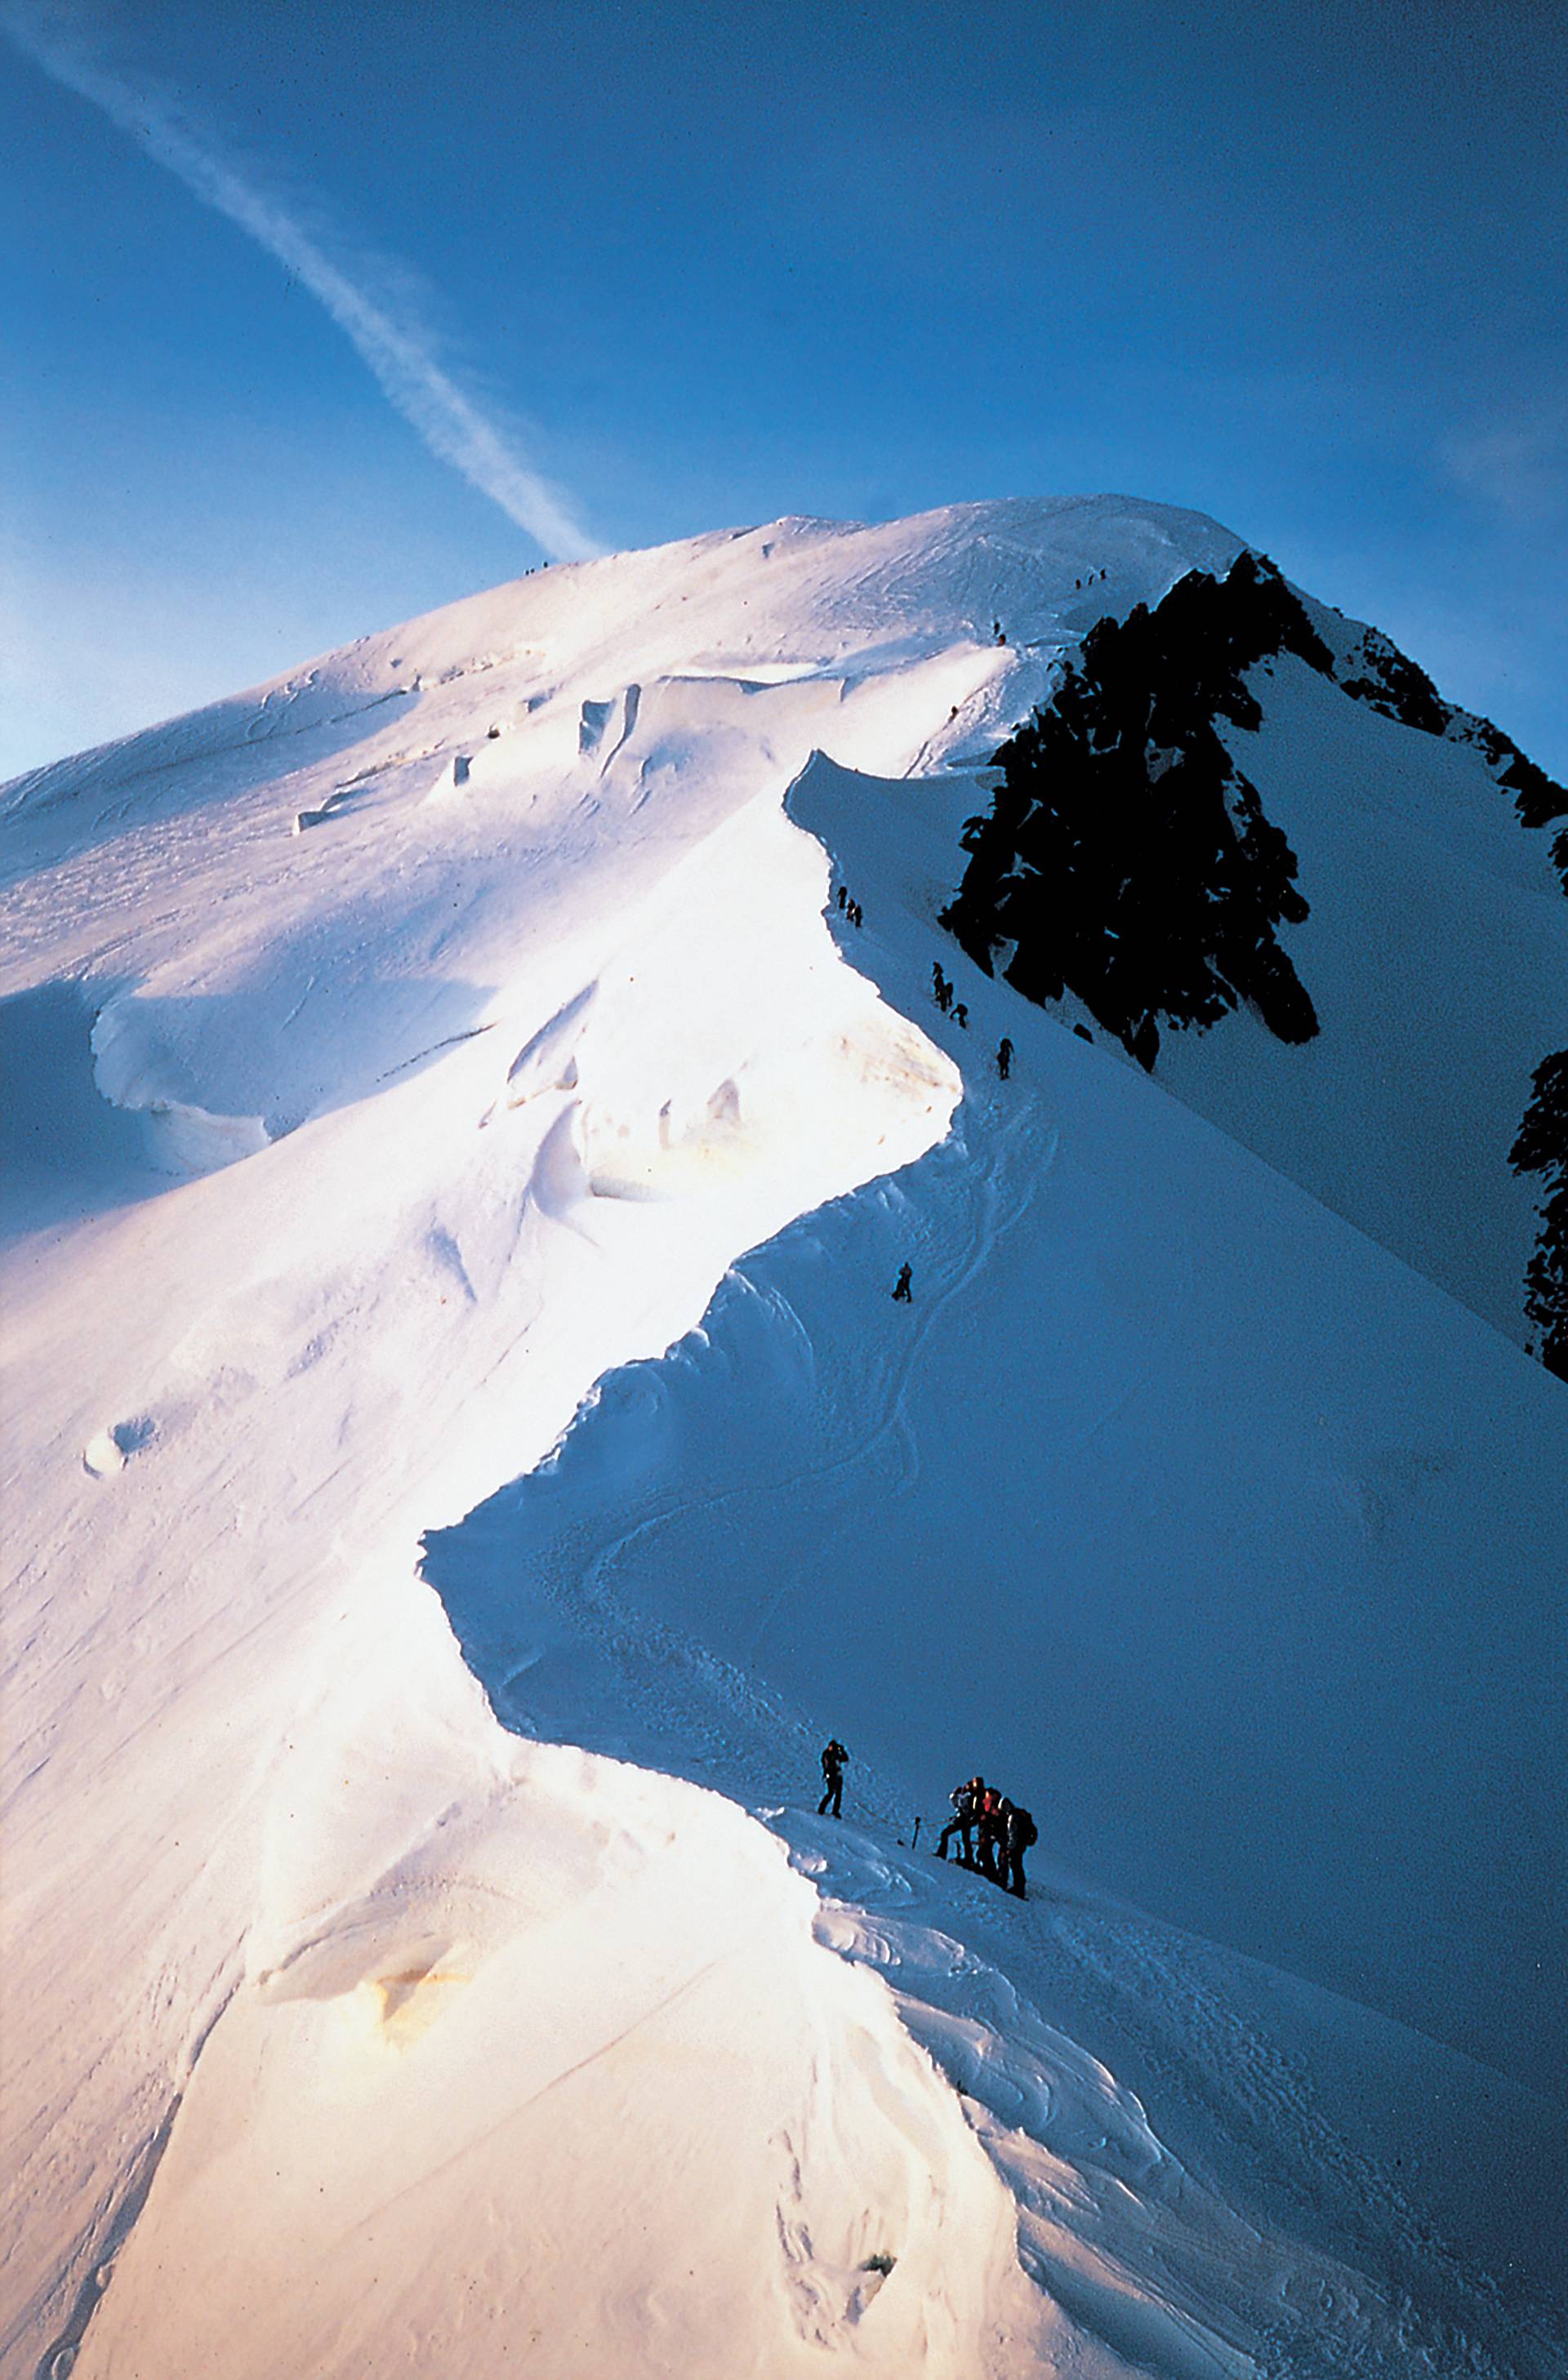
(1126, 858)
(1542, 1147)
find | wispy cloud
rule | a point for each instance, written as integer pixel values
(1517, 463)
(398, 347)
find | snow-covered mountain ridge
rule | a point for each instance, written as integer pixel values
(399, 1051)
(1401, 1118)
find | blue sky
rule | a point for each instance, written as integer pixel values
(1302, 266)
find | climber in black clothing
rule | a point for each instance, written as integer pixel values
(1004, 1057)
(833, 1758)
(1018, 1831)
(901, 1295)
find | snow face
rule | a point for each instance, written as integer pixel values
(1437, 952)
(399, 1051)
(554, 1967)
(1260, 1511)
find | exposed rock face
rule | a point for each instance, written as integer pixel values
(1129, 861)
(1126, 858)
(1542, 1147)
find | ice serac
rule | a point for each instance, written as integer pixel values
(349, 2028)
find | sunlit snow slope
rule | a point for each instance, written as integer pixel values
(393, 1054)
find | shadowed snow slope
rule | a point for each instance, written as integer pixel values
(398, 1052)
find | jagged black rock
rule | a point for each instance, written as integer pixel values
(1126, 858)
(1542, 1147)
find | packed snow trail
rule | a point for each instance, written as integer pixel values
(397, 1053)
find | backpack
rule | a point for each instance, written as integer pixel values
(1024, 1827)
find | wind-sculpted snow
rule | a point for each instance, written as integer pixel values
(1213, 1590)
(393, 1071)
(587, 1992)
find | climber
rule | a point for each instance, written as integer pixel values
(1018, 1831)
(988, 1831)
(833, 1758)
(966, 1800)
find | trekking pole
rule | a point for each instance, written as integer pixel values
(916, 1844)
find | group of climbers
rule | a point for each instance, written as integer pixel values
(943, 994)
(993, 1834)
(942, 991)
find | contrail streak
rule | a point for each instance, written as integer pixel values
(397, 351)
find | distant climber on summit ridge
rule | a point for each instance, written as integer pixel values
(833, 1758)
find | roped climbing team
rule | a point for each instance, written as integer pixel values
(994, 1833)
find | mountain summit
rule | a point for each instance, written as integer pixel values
(471, 1102)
